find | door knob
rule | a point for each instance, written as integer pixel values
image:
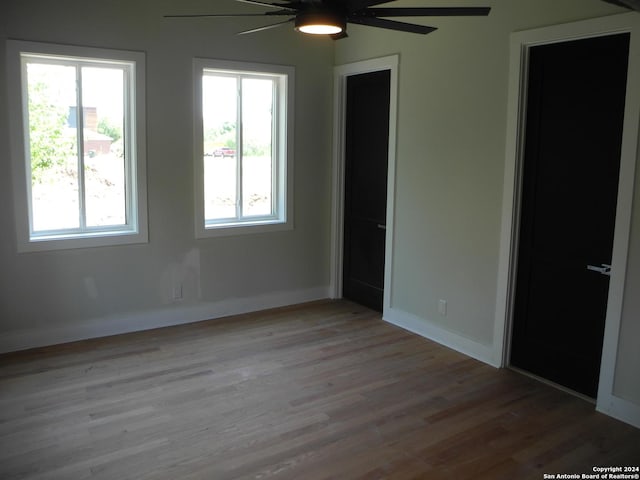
(604, 269)
(382, 227)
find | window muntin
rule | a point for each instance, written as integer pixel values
(241, 131)
(78, 167)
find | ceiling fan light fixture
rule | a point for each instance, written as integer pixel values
(318, 23)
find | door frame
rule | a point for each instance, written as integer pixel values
(521, 42)
(341, 73)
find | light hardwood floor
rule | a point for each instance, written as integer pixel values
(324, 390)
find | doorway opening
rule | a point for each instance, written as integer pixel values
(385, 68)
(365, 187)
(574, 115)
(522, 44)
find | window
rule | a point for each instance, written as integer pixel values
(79, 158)
(243, 147)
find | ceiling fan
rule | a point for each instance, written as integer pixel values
(330, 17)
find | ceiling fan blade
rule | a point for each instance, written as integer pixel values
(265, 4)
(228, 15)
(266, 27)
(426, 12)
(391, 24)
(632, 4)
(354, 5)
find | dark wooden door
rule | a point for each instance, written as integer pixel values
(574, 119)
(365, 206)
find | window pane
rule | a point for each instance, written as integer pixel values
(104, 164)
(219, 119)
(257, 135)
(53, 146)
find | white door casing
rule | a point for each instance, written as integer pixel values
(341, 73)
(521, 42)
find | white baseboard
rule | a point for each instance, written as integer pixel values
(176, 314)
(620, 409)
(610, 405)
(438, 334)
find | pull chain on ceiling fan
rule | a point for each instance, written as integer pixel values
(330, 17)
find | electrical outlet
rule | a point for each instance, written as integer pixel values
(177, 291)
(442, 307)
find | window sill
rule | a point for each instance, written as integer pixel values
(230, 229)
(69, 242)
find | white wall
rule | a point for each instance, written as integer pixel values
(452, 113)
(50, 297)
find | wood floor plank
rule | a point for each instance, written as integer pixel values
(314, 392)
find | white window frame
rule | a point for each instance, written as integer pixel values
(283, 149)
(136, 229)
